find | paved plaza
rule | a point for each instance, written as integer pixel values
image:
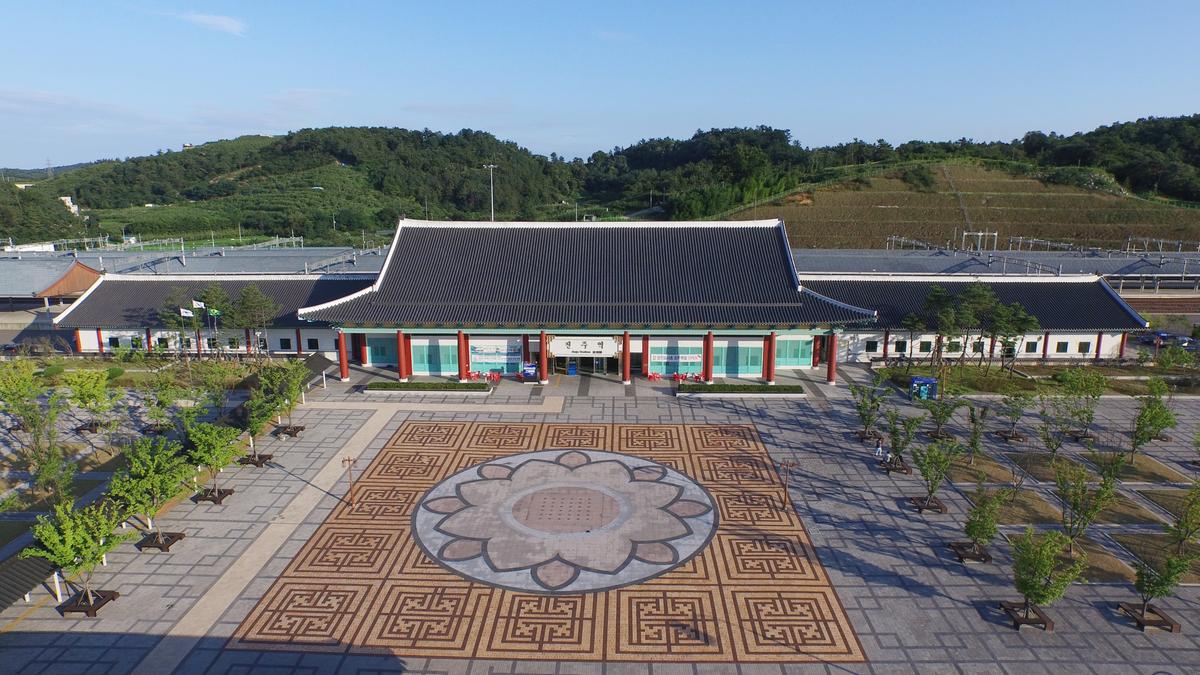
(586, 528)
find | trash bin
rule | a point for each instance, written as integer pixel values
(572, 369)
(922, 388)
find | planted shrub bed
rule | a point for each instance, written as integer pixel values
(428, 386)
(767, 389)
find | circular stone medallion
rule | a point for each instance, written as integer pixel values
(558, 521)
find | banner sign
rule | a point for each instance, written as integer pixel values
(496, 351)
(675, 358)
(583, 346)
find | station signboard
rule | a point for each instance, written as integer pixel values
(566, 345)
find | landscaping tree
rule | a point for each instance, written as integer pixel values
(901, 431)
(1082, 388)
(933, 463)
(253, 310)
(89, 390)
(154, 472)
(43, 456)
(19, 388)
(1009, 326)
(1082, 504)
(1159, 581)
(981, 526)
(868, 400)
(1196, 446)
(76, 540)
(941, 411)
(1153, 417)
(161, 395)
(212, 447)
(1039, 573)
(913, 324)
(214, 378)
(1055, 424)
(1013, 405)
(1186, 526)
(976, 417)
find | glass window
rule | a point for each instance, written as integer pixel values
(136, 342)
(114, 342)
(925, 346)
(953, 347)
(233, 343)
(262, 343)
(792, 353)
(1085, 347)
(872, 346)
(212, 343)
(187, 343)
(1031, 347)
(901, 346)
(1061, 348)
(977, 347)
(314, 344)
(285, 344)
(164, 343)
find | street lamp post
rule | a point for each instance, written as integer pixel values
(491, 188)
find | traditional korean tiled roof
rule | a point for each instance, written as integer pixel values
(701, 274)
(134, 301)
(1067, 303)
(33, 277)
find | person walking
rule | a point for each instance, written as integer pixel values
(879, 448)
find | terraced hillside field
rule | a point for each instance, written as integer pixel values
(974, 198)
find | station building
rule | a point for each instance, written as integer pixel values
(706, 299)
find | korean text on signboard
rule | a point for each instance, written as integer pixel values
(583, 346)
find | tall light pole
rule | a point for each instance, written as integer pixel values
(492, 188)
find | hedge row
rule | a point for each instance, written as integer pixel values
(691, 388)
(428, 386)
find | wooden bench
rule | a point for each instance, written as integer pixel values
(1016, 612)
(163, 541)
(1154, 617)
(78, 604)
(211, 495)
(290, 430)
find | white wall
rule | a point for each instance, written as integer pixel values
(852, 346)
(326, 336)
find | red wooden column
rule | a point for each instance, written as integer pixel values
(401, 357)
(78, 342)
(626, 359)
(464, 356)
(343, 358)
(248, 340)
(1099, 341)
(1045, 345)
(645, 356)
(1121, 351)
(887, 337)
(199, 344)
(299, 345)
(992, 349)
(149, 347)
(543, 358)
(524, 349)
(831, 368)
(769, 359)
(100, 340)
(706, 371)
(818, 347)
(364, 355)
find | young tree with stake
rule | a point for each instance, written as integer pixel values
(1159, 581)
(934, 462)
(901, 431)
(1153, 417)
(1012, 408)
(981, 524)
(868, 400)
(1186, 525)
(941, 411)
(155, 470)
(76, 540)
(1081, 504)
(1039, 574)
(213, 448)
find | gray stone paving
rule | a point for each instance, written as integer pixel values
(914, 608)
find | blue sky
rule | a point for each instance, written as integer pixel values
(88, 80)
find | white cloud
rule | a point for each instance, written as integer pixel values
(217, 22)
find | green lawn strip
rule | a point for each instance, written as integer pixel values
(1170, 500)
(1125, 511)
(1040, 464)
(1026, 507)
(11, 529)
(29, 502)
(1142, 469)
(720, 388)
(428, 386)
(993, 471)
(1152, 548)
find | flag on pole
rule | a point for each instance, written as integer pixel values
(185, 312)
(196, 304)
(214, 312)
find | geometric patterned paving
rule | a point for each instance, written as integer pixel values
(755, 593)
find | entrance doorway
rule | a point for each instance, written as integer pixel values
(585, 365)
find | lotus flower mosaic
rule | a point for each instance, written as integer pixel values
(565, 522)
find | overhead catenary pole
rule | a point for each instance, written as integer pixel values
(491, 188)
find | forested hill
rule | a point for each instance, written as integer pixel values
(323, 183)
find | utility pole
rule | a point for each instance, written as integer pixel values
(492, 187)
